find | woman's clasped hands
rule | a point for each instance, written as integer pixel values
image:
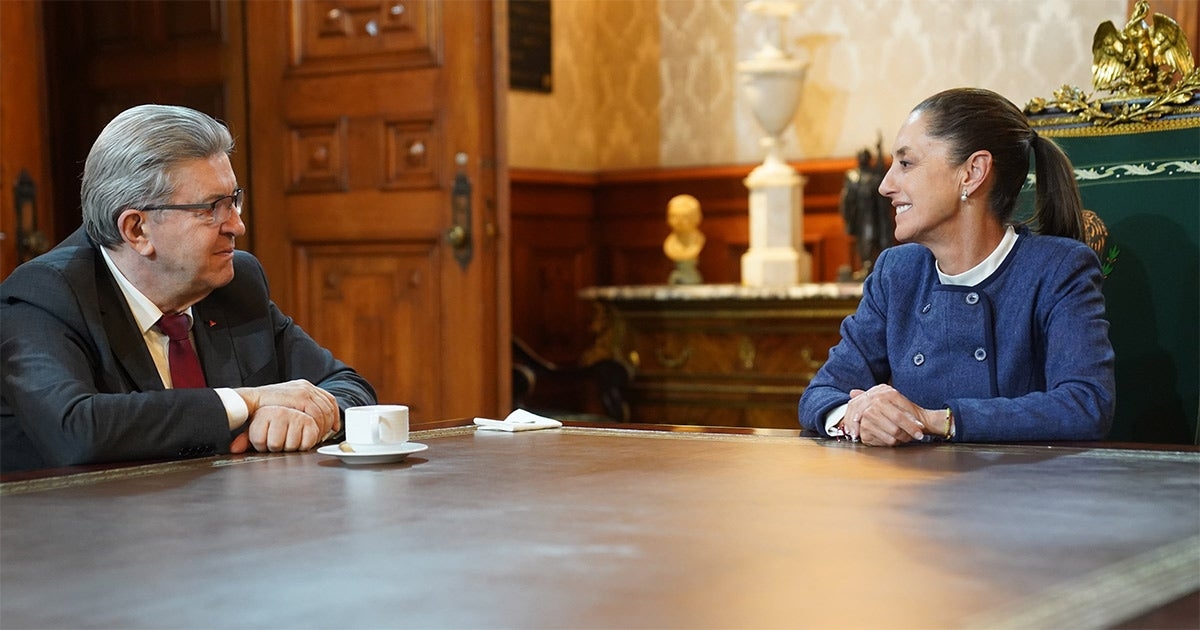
(882, 416)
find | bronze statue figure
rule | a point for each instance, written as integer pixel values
(867, 214)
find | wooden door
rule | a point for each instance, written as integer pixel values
(26, 198)
(358, 110)
(106, 56)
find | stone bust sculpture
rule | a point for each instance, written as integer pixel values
(685, 241)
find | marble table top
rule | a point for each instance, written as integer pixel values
(700, 292)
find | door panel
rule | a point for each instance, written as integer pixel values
(370, 302)
(357, 111)
(28, 229)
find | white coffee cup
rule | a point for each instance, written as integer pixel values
(377, 425)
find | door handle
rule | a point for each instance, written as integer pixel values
(30, 240)
(459, 234)
(456, 236)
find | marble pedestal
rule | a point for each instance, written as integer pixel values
(776, 256)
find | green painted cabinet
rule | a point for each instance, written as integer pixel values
(1143, 180)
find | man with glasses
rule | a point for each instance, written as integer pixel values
(146, 334)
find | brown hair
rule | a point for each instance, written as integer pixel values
(973, 119)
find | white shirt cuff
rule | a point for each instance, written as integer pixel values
(833, 418)
(235, 407)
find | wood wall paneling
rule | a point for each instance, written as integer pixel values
(631, 212)
(554, 254)
(575, 230)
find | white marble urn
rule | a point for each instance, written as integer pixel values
(771, 85)
(771, 81)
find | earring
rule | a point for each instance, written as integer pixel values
(964, 195)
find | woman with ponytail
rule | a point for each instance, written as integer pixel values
(975, 328)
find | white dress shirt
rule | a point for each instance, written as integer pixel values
(146, 314)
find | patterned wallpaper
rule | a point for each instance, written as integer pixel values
(698, 70)
(627, 84)
(653, 83)
(558, 130)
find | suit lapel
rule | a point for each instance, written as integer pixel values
(214, 344)
(126, 342)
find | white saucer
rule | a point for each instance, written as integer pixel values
(376, 454)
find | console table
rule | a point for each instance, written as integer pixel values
(719, 355)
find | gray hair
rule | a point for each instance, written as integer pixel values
(132, 161)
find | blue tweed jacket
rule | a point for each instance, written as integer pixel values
(1023, 355)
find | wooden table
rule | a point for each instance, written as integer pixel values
(586, 527)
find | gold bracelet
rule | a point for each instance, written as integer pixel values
(949, 424)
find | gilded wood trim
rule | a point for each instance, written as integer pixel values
(1070, 127)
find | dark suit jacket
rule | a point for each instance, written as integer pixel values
(77, 384)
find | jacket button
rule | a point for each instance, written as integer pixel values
(925, 309)
(980, 354)
(918, 359)
(972, 298)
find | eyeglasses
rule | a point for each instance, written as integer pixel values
(218, 211)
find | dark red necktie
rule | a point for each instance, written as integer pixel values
(185, 365)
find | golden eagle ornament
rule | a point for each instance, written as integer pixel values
(1146, 67)
(1145, 57)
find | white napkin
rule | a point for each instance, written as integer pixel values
(518, 420)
